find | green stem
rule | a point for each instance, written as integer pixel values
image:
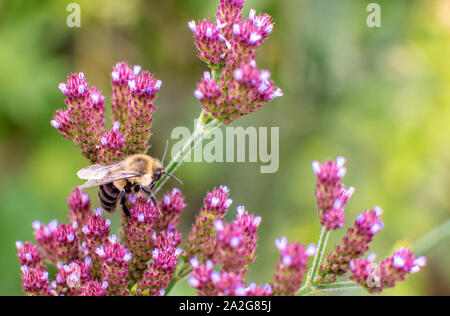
(318, 258)
(201, 129)
(183, 271)
(346, 285)
(327, 288)
(432, 239)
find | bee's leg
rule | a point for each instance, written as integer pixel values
(123, 201)
(149, 192)
(126, 211)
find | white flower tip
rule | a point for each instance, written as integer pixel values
(376, 228)
(194, 262)
(132, 85)
(53, 225)
(350, 192)
(115, 76)
(257, 221)
(342, 172)
(36, 225)
(240, 291)
(55, 124)
(235, 242)
(421, 262)
(215, 201)
(63, 88)
(192, 26)
(98, 211)
(85, 230)
(155, 253)
(128, 256)
(311, 250)
(372, 257)
(287, 260)
(252, 14)
(281, 243)
(378, 210)
(238, 75)
(207, 75)
(137, 69)
(218, 225)
(340, 162)
(116, 126)
(199, 95)
(236, 29)
(398, 261)
(316, 167)
(228, 203)
(209, 32)
(225, 189)
(19, 245)
(254, 37)
(337, 204)
(265, 75)
(100, 251)
(112, 238)
(240, 209)
(193, 282)
(158, 84)
(215, 276)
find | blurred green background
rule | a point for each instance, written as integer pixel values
(378, 96)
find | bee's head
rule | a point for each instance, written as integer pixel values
(157, 174)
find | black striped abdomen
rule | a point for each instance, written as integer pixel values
(108, 194)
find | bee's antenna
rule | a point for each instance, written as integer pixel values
(165, 152)
(173, 177)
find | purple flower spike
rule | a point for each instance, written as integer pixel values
(83, 121)
(79, 205)
(137, 231)
(228, 46)
(331, 194)
(35, 282)
(201, 240)
(354, 245)
(57, 242)
(376, 277)
(290, 271)
(29, 255)
(171, 206)
(114, 262)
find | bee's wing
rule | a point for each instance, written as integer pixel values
(112, 177)
(104, 173)
(100, 171)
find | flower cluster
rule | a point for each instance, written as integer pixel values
(354, 245)
(331, 197)
(236, 242)
(92, 262)
(376, 277)
(292, 266)
(236, 87)
(148, 257)
(221, 253)
(201, 242)
(216, 258)
(210, 282)
(83, 120)
(331, 194)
